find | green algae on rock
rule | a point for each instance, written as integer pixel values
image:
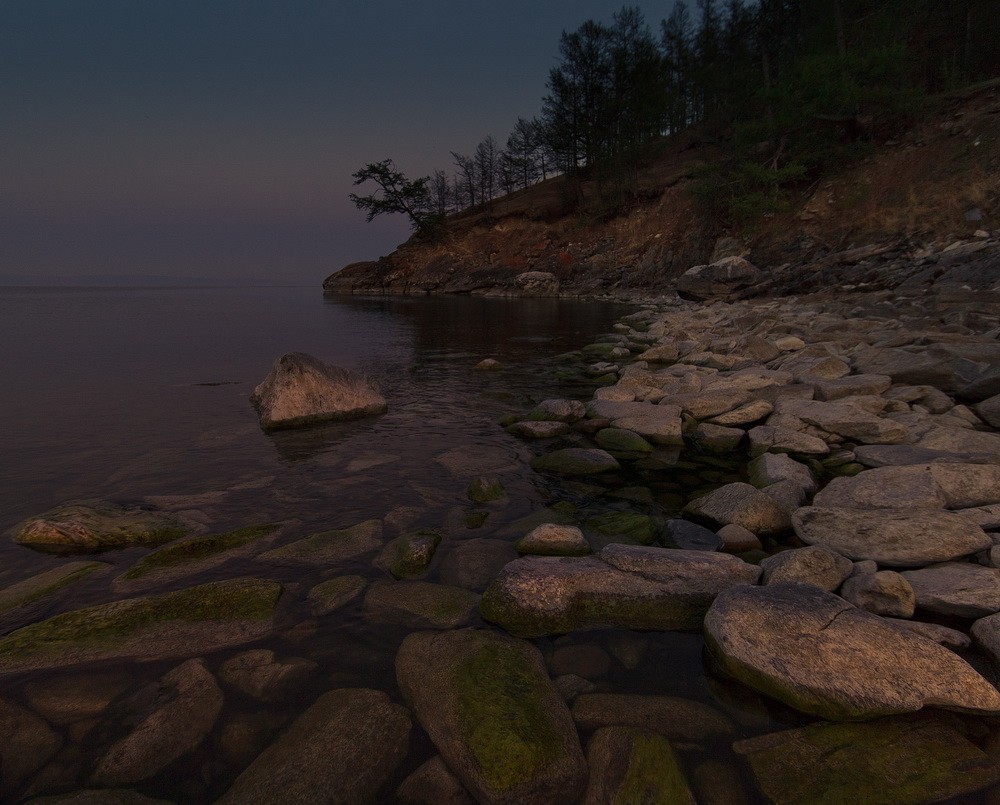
(420, 605)
(95, 525)
(490, 708)
(892, 761)
(575, 461)
(625, 527)
(630, 765)
(328, 547)
(194, 554)
(46, 583)
(410, 555)
(329, 596)
(484, 490)
(182, 623)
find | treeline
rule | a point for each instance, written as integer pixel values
(781, 87)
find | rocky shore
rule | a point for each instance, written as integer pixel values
(804, 469)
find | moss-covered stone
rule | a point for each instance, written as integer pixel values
(180, 623)
(483, 490)
(632, 766)
(892, 761)
(329, 596)
(626, 527)
(420, 605)
(45, 584)
(328, 547)
(475, 519)
(197, 551)
(575, 461)
(410, 555)
(621, 442)
(96, 525)
(489, 706)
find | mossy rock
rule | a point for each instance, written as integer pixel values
(96, 525)
(183, 623)
(491, 710)
(484, 490)
(329, 596)
(626, 527)
(618, 440)
(420, 605)
(475, 519)
(634, 765)
(195, 554)
(410, 555)
(892, 761)
(575, 461)
(329, 547)
(44, 584)
(561, 513)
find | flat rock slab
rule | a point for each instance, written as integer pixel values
(683, 720)
(813, 565)
(420, 605)
(919, 486)
(845, 421)
(302, 390)
(344, 748)
(903, 760)
(956, 588)
(96, 525)
(630, 765)
(491, 710)
(817, 653)
(633, 587)
(46, 583)
(191, 621)
(891, 537)
(742, 505)
(329, 547)
(28, 743)
(575, 461)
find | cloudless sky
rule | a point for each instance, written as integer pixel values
(216, 138)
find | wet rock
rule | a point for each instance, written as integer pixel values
(956, 588)
(773, 468)
(737, 539)
(818, 654)
(420, 605)
(329, 547)
(771, 439)
(491, 710)
(890, 537)
(883, 593)
(679, 533)
(302, 390)
(617, 440)
(909, 759)
(949, 638)
(851, 385)
(744, 415)
(681, 720)
(743, 505)
(191, 703)
(719, 783)
(575, 461)
(46, 583)
(885, 488)
(470, 461)
(538, 430)
(344, 748)
(715, 438)
(433, 784)
(585, 660)
(96, 525)
(624, 527)
(628, 765)
(721, 280)
(628, 586)
(558, 411)
(193, 555)
(195, 620)
(551, 539)
(329, 596)
(259, 675)
(28, 743)
(474, 563)
(846, 421)
(410, 555)
(75, 697)
(484, 490)
(537, 283)
(812, 565)
(488, 365)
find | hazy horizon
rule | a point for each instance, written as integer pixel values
(217, 141)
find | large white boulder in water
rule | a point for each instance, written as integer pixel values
(302, 390)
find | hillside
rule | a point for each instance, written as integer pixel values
(933, 184)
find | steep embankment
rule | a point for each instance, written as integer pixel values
(937, 183)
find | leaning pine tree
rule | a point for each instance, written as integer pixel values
(397, 194)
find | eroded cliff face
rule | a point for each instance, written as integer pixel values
(937, 184)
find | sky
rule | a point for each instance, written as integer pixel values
(215, 139)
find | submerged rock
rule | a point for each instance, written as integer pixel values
(679, 719)
(410, 555)
(28, 743)
(302, 390)
(491, 710)
(818, 654)
(329, 596)
(96, 525)
(630, 765)
(260, 675)
(893, 761)
(433, 784)
(195, 620)
(344, 748)
(552, 539)
(628, 586)
(575, 461)
(420, 605)
(329, 547)
(742, 505)
(46, 583)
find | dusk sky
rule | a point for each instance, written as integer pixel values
(216, 139)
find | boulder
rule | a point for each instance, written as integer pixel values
(886, 488)
(716, 438)
(617, 440)
(682, 720)
(819, 654)
(845, 421)
(474, 563)
(743, 505)
(260, 675)
(575, 461)
(492, 712)
(558, 411)
(903, 760)
(181, 623)
(852, 385)
(410, 555)
(189, 705)
(630, 765)
(302, 390)
(774, 439)
(329, 547)
(890, 537)
(96, 525)
(813, 565)
(679, 533)
(329, 596)
(720, 280)
(744, 414)
(911, 368)
(961, 589)
(537, 283)
(628, 586)
(883, 593)
(551, 539)
(543, 429)
(433, 784)
(344, 748)
(773, 468)
(420, 605)
(28, 744)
